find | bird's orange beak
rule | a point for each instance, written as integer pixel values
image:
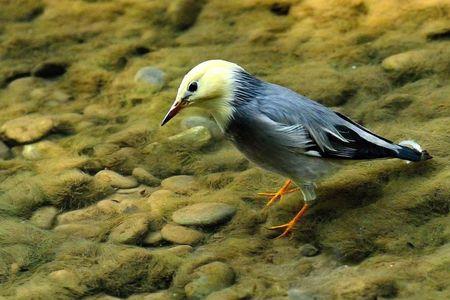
(174, 110)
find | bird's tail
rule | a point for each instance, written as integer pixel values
(412, 152)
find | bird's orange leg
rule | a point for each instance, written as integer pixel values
(290, 225)
(278, 195)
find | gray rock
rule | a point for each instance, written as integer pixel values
(153, 238)
(181, 235)
(116, 180)
(131, 230)
(193, 121)
(183, 13)
(309, 250)
(27, 129)
(195, 138)
(208, 213)
(145, 177)
(5, 152)
(152, 76)
(209, 278)
(44, 217)
(180, 184)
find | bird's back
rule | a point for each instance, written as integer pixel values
(297, 137)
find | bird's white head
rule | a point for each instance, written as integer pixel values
(208, 85)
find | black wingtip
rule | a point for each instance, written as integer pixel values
(425, 155)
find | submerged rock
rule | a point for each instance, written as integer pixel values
(42, 149)
(309, 250)
(145, 177)
(130, 231)
(194, 138)
(152, 76)
(181, 235)
(404, 62)
(180, 249)
(194, 121)
(44, 217)
(153, 238)
(116, 180)
(209, 278)
(184, 13)
(209, 213)
(27, 129)
(180, 184)
(86, 231)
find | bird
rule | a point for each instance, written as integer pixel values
(282, 131)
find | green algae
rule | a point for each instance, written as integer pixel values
(385, 220)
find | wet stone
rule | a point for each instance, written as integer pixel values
(130, 231)
(195, 138)
(209, 213)
(194, 121)
(44, 217)
(209, 278)
(116, 180)
(181, 235)
(309, 250)
(86, 231)
(180, 250)
(144, 177)
(180, 184)
(27, 129)
(153, 238)
(183, 13)
(152, 76)
(404, 62)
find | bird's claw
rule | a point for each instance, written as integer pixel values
(288, 228)
(278, 195)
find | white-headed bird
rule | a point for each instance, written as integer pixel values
(282, 131)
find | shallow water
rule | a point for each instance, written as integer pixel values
(73, 104)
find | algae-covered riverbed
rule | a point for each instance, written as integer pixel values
(97, 201)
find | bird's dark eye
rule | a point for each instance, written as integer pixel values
(193, 86)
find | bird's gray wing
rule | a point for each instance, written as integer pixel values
(330, 134)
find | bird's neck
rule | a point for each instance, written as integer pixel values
(222, 112)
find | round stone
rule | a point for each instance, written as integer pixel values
(27, 128)
(116, 180)
(309, 250)
(180, 184)
(152, 76)
(181, 235)
(209, 213)
(130, 231)
(209, 278)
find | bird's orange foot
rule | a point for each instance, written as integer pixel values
(278, 195)
(290, 225)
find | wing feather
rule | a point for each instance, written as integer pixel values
(312, 128)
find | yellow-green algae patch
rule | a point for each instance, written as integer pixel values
(381, 228)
